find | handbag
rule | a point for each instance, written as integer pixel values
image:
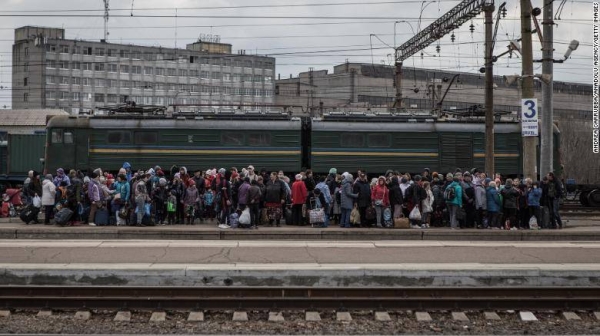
(124, 212)
(415, 214)
(355, 216)
(370, 214)
(401, 223)
(316, 216)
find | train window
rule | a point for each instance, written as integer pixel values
(57, 136)
(146, 138)
(379, 140)
(259, 139)
(119, 137)
(232, 138)
(68, 137)
(352, 140)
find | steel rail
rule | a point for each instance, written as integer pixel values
(298, 298)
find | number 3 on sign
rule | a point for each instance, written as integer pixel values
(530, 105)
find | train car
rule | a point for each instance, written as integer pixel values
(19, 154)
(410, 144)
(87, 143)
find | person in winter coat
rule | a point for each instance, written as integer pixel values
(322, 186)
(347, 198)
(274, 197)
(534, 197)
(380, 198)
(159, 196)
(222, 189)
(128, 173)
(396, 199)
(141, 197)
(243, 193)
(179, 190)
(414, 196)
(455, 202)
(252, 201)
(299, 194)
(554, 194)
(95, 197)
(509, 196)
(121, 199)
(493, 205)
(427, 204)
(480, 200)
(35, 186)
(191, 202)
(61, 176)
(309, 181)
(363, 189)
(48, 198)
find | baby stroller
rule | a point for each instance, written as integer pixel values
(12, 203)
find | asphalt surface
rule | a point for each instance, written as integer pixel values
(294, 252)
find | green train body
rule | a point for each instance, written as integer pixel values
(289, 145)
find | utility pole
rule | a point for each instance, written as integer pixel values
(489, 91)
(398, 84)
(529, 150)
(546, 147)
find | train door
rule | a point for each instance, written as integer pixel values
(61, 153)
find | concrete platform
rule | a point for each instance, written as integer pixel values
(297, 263)
(576, 230)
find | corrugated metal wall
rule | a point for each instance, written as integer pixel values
(25, 152)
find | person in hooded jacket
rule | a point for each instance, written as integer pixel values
(510, 197)
(347, 198)
(191, 202)
(299, 194)
(427, 205)
(414, 197)
(48, 198)
(363, 189)
(122, 196)
(160, 194)
(178, 189)
(396, 198)
(274, 196)
(61, 176)
(456, 202)
(127, 168)
(141, 197)
(380, 198)
(493, 205)
(534, 196)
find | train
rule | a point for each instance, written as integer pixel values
(375, 142)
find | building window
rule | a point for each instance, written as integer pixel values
(99, 82)
(194, 73)
(204, 74)
(159, 71)
(113, 68)
(136, 54)
(183, 72)
(118, 137)
(268, 93)
(76, 50)
(26, 67)
(145, 138)
(64, 80)
(136, 69)
(216, 89)
(354, 140)
(25, 81)
(237, 77)
(75, 96)
(124, 68)
(112, 52)
(111, 83)
(148, 71)
(50, 80)
(125, 84)
(68, 137)
(248, 64)
(86, 66)
(227, 62)
(259, 139)
(76, 65)
(379, 140)
(148, 56)
(215, 75)
(26, 51)
(87, 50)
(247, 78)
(86, 97)
(257, 79)
(51, 64)
(50, 48)
(232, 138)
(63, 65)
(99, 98)
(86, 81)
(99, 66)
(171, 72)
(112, 98)
(26, 97)
(63, 95)
(64, 49)
(99, 52)
(50, 95)
(268, 79)
(123, 53)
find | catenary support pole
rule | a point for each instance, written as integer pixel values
(398, 85)
(489, 92)
(547, 113)
(529, 143)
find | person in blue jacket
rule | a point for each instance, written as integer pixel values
(493, 205)
(454, 199)
(534, 197)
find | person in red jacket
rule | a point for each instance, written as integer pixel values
(380, 196)
(299, 194)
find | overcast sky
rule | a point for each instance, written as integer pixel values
(302, 41)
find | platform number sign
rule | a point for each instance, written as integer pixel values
(529, 117)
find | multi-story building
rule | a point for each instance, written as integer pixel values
(356, 84)
(50, 71)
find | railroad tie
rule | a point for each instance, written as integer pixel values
(382, 317)
(312, 316)
(158, 317)
(83, 315)
(571, 316)
(44, 313)
(423, 317)
(240, 316)
(276, 317)
(597, 315)
(491, 316)
(527, 316)
(196, 316)
(5, 313)
(460, 316)
(123, 316)
(343, 316)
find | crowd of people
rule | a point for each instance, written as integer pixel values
(468, 199)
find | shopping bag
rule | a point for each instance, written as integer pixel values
(245, 217)
(415, 214)
(37, 202)
(317, 216)
(533, 224)
(355, 217)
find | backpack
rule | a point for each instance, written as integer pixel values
(450, 193)
(208, 198)
(234, 220)
(171, 204)
(551, 190)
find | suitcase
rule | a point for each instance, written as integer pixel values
(63, 216)
(102, 217)
(288, 216)
(29, 214)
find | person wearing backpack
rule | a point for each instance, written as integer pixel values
(453, 196)
(555, 193)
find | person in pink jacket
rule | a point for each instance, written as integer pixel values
(380, 196)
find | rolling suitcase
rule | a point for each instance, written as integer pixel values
(29, 214)
(102, 217)
(63, 216)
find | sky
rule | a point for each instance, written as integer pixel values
(302, 34)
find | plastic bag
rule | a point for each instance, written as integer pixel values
(146, 209)
(355, 217)
(415, 214)
(245, 217)
(533, 224)
(37, 202)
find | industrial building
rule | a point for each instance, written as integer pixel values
(368, 85)
(50, 71)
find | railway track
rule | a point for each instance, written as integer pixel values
(298, 298)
